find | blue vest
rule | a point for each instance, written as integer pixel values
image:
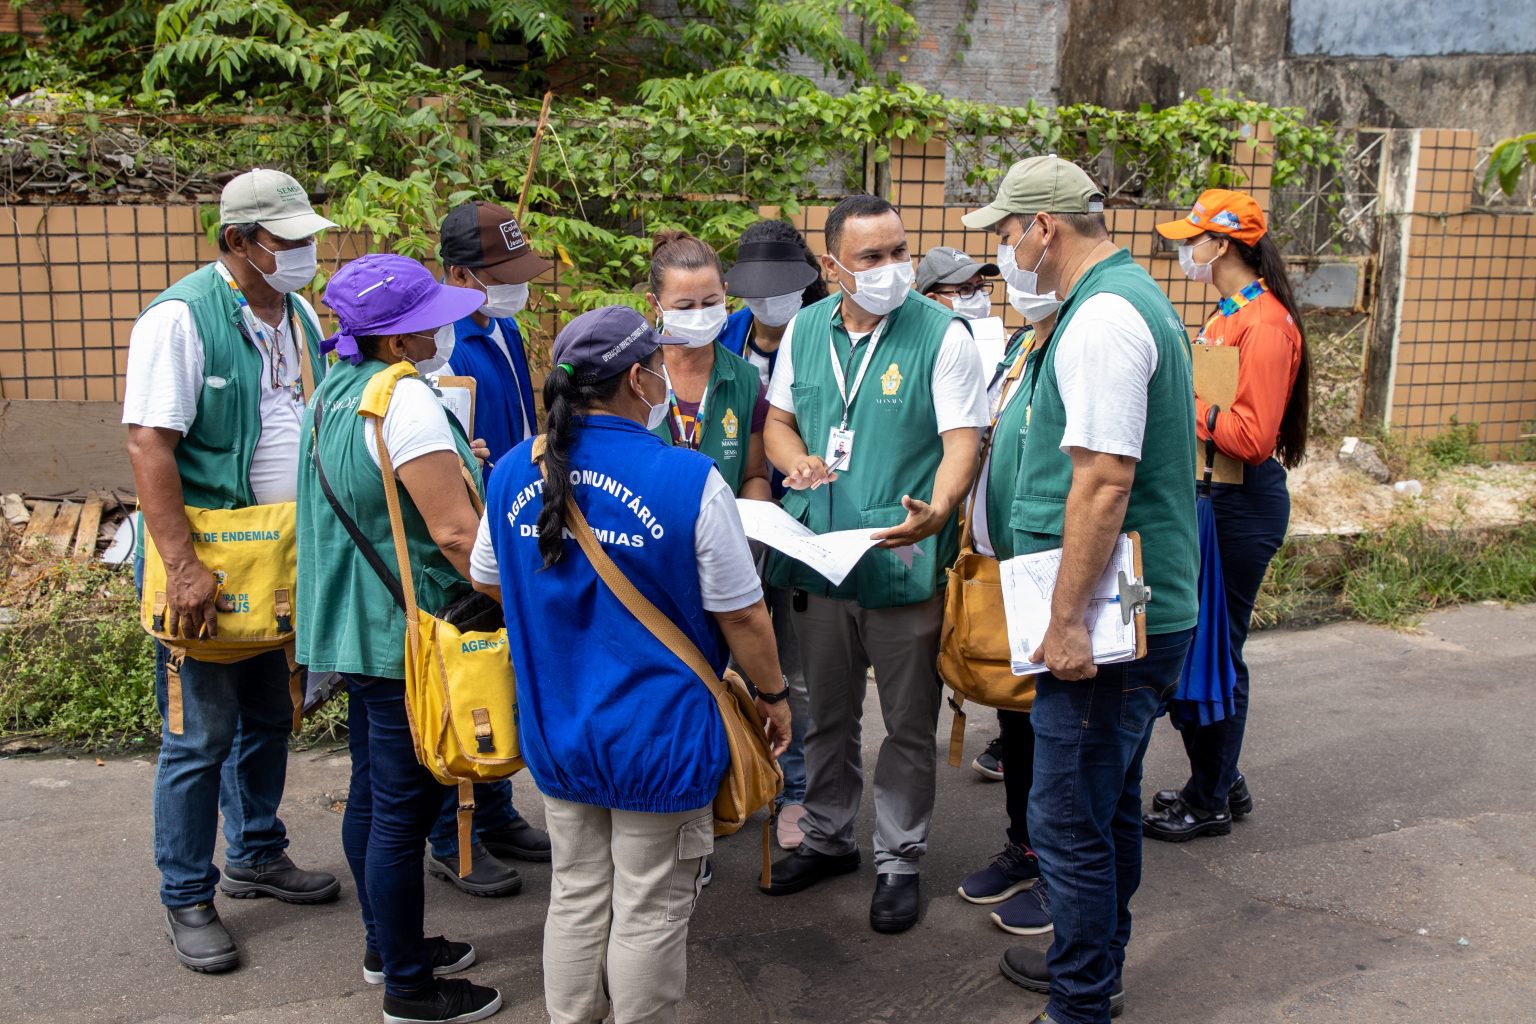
(503, 393)
(734, 337)
(607, 715)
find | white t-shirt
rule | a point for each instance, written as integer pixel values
(1104, 361)
(959, 385)
(165, 379)
(727, 577)
(415, 424)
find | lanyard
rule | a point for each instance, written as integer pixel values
(1232, 303)
(268, 342)
(1014, 372)
(838, 372)
(691, 440)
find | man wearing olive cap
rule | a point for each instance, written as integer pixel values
(1102, 443)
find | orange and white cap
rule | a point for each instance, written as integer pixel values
(1223, 212)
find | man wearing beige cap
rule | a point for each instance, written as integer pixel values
(217, 366)
(1109, 448)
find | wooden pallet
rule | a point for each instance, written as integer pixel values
(65, 528)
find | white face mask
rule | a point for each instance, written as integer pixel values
(444, 340)
(881, 290)
(295, 268)
(1200, 272)
(503, 300)
(775, 310)
(658, 413)
(1033, 308)
(1015, 275)
(974, 308)
(695, 327)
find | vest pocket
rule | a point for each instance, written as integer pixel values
(894, 584)
(807, 398)
(218, 407)
(1038, 513)
(437, 589)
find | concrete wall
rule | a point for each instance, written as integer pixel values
(1180, 46)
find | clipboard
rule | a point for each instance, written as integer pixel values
(1215, 370)
(465, 413)
(1134, 594)
(1029, 583)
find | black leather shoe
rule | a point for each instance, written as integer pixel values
(200, 939)
(280, 880)
(487, 875)
(805, 867)
(1026, 968)
(1179, 822)
(517, 840)
(1239, 800)
(894, 907)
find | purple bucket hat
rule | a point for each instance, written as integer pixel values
(382, 293)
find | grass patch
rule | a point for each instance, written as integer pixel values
(76, 668)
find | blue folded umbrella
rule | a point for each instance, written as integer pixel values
(1204, 695)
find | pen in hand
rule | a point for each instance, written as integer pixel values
(836, 465)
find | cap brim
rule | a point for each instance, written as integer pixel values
(1181, 228)
(760, 279)
(291, 229)
(960, 275)
(985, 217)
(519, 269)
(447, 305)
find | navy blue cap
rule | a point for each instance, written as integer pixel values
(603, 342)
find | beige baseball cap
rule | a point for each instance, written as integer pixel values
(274, 200)
(1040, 184)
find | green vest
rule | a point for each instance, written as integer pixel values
(729, 398)
(350, 623)
(214, 458)
(1007, 445)
(1162, 501)
(896, 448)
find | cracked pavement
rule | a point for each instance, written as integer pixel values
(1387, 876)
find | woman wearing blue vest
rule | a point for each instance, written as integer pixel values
(715, 403)
(389, 308)
(623, 740)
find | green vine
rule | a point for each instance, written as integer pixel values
(1509, 160)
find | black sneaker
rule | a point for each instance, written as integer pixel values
(989, 763)
(447, 958)
(280, 879)
(1026, 968)
(200, 940)
(1179, 823)
(447, 1001)
(487, 875)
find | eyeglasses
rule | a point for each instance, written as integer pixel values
(966, 291)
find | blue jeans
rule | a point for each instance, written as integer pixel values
(493, 810)
(391, 806)
(1250, 527)
(230, 755)
(1085, 816)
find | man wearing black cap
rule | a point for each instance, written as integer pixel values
(482, 246)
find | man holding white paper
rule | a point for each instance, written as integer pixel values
(1103, 445)
(876, 405)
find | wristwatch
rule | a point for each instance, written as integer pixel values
(773, 698)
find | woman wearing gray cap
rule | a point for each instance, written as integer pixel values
(622, 738)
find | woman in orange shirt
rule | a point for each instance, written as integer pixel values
(1225, 242)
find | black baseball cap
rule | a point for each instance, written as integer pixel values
(602, 342)
(483, 235)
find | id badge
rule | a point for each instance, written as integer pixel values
(839, 457)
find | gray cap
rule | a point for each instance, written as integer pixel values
(274, 200)
(603, 342)
(1040, 184)
(944, 265)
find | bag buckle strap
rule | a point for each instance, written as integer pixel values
(482, 719)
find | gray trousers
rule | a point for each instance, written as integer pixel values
(839, 642)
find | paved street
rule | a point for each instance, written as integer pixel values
(1388, 876)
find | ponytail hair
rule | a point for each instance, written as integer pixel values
(565, 399)
(1265, 260)
(678, 250)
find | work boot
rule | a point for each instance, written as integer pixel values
(1026, 968)
(200, 939)
(280, 879)
(518, 840)
(1239, 800)
(487, 875)
(1179, 823)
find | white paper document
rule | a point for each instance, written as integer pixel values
(1028, 582)
(832, 554)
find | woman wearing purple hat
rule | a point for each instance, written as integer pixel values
(623, 739)
(389, 309)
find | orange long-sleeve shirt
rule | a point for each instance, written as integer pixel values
(1270, 343)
